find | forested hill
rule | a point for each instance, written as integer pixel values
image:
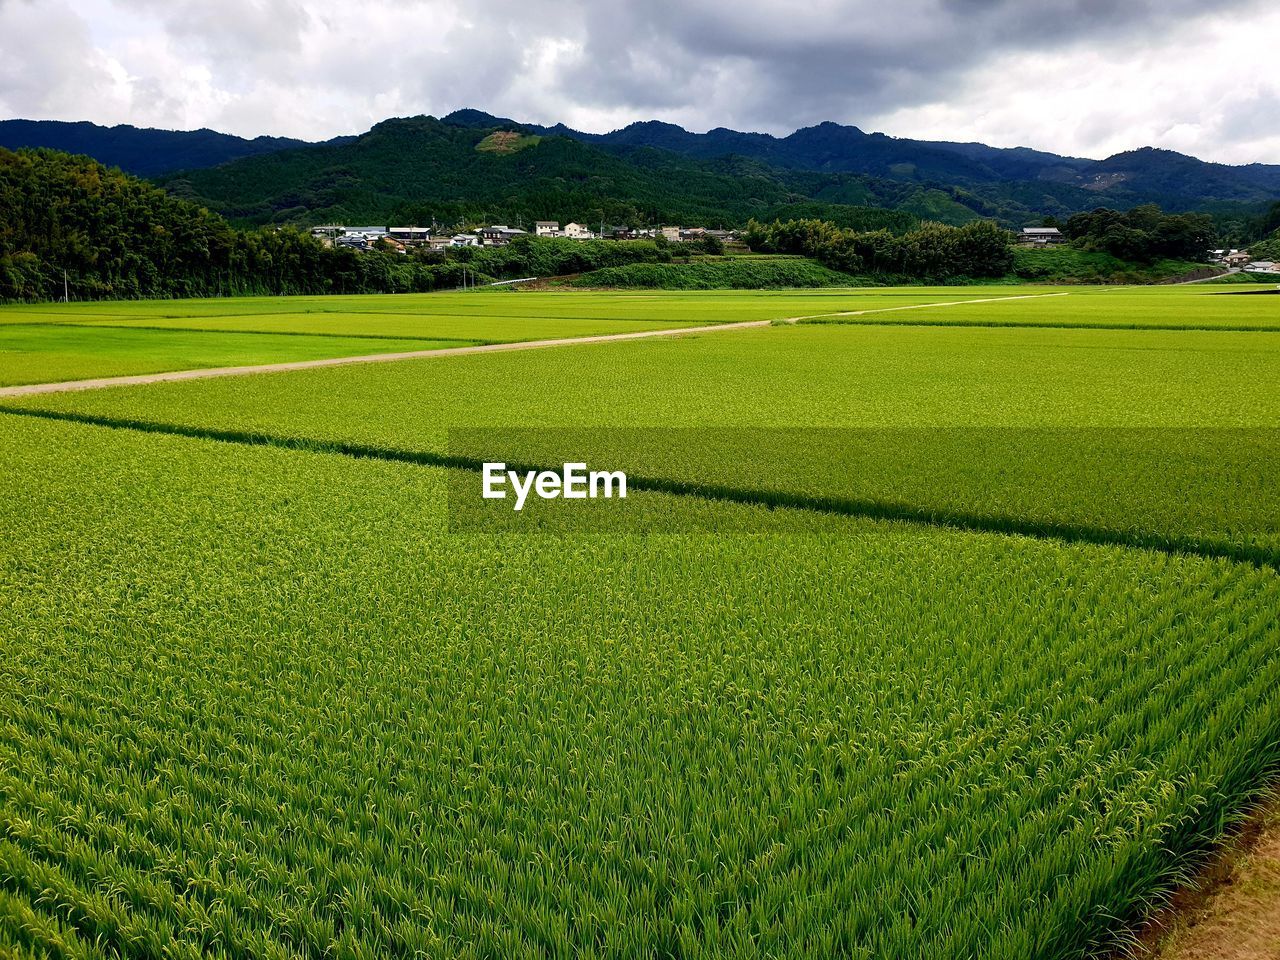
(138, 150)
(453, 169)
(104, 234)
(472, 167)
(1147, 175)
(420, 169)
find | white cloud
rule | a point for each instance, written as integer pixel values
(1208, 90)
(49, 62)
(1077, 76)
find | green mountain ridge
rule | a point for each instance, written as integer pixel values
(422, 169)
(141, 151)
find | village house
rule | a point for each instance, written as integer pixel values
(328, 233)
(465, 240)
(352, 238)
(352, 241)
(672, 234)
(547, 228)
(410, 235)
(1041, 235)
(576, 231)
(499, 234)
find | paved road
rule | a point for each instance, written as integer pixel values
(1216, 276)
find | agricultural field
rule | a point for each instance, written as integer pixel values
(1198, 306)
(42, 343)
(44, 354)
(50, 342)
(946, 634)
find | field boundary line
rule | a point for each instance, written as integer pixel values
(49, 324)
(1018, 325)
(1175, 545)
(922, 306)
(98, 383)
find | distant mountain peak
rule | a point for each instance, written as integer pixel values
(468, 117)
(655, 125)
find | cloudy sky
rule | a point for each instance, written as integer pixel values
(1083, 77)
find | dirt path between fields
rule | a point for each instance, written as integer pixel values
(1232, 912)
(924, 306)
(25, 390)
(97, 383)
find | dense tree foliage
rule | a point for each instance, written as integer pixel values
(69, 223)
(1269, 223)
(850, 216)
(555, 256)
(1143, 234)
(932, 251)
(1268, 249)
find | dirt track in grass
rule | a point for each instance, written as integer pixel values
(144, 378)
(1233, 910)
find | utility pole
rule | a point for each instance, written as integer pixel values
(66, 289)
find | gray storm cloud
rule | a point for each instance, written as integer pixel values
(313, 69)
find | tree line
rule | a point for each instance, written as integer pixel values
(933, 251)
(67, 223)
(1142, 234)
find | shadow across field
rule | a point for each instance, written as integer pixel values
(1193, 491)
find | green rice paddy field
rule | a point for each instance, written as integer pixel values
(938, 632)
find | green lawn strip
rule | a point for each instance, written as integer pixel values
(256, 701)
(1155, 439)
(45, 354)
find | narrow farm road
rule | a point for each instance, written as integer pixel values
(922, 306)
(29, 389)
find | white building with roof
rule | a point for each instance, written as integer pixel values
(1041, 235)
